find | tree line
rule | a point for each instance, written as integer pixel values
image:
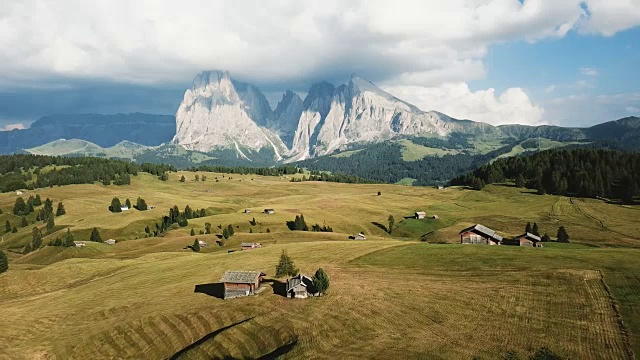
(299, 224)
(576, 172)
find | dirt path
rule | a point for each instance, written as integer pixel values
(585, 214)
(624, 332)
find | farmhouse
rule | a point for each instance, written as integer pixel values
(420, 215)
(526, 239)
(202, 244)
(110, 242)
(241, 283)
(479, 234)
(79, 244)
(299, 287)
(269, 211)
(249, 246)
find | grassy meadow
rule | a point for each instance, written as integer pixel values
(412, 294)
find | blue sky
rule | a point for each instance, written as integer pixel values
(570, 62)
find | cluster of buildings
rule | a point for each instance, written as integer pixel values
(480, 234)
(245, 283)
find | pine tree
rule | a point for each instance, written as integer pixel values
(207, 228)
(546, 237)
(48, 206)
(4, 262)
(285, 266)
(196, 245)
(379, 193)
(392, 222)
(528, 229)
(36, 239)
(147, 230)
(268, 230)
(193, 232)
(562, 235)
(520, 182)
(50, 223)
(127, 203)
(60, 210)
(535, 231)
(321, 281)
(230, 230)
(95, 235)
(7, 227)
(24, 222)
(20, 207)
(141, 205)
(225, 233)
(197, 177)
(182, 179)
(14, 230)
(68, 239)
(115, 207)
(37, 201)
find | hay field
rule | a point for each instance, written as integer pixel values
(399, 295)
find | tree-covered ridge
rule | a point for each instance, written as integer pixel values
(245, 170)
(27, 171)
(580, 172)
(383, 163)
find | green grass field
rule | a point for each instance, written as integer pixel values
(403, 295)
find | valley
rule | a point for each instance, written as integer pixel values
(414, 293)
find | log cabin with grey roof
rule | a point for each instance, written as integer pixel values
(526, 239)
(241, 283)
(480, 234)
(299, 287)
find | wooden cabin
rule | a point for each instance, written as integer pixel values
(247, 211)
(526, 239)
(202, 244)
(110, 242)
(79, 244)
(480, 234)
(241, 283)
(420, 215)
(249, 246)
(269, 211)
(299, 287)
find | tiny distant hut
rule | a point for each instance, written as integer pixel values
(202, 244)
(480, 234)
(247, 211)
(241, 283)
(435, 217)
(439, 187)
(249, 246)
(299, 287)
(419, 215)
(110, 242)
(79, 244)
(19, 192)
(360, 236)
(124, 208)
(526, 239)
(269, 211)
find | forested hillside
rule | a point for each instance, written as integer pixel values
(581, 172)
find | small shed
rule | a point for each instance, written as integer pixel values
(124, 208)
(269, 211)
(299, 287)
(241, 283)
(360, 236)
(19, 192)
(202, 244)
(79, 244)
(247, 211)
(420, 215)
(110, 242)
(480, 234)
(249, 246)
(526, 239)
(435, 217)
(439, 187)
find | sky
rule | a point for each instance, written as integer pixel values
(560, 62)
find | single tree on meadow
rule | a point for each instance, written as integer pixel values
(182, 179)
(392, 222)
(127, 203)
(68, 239)
(115, 207)
(60, 210)
(562, 235)
(95, 235)
(196, 245)
(321, 281)
(285, 266)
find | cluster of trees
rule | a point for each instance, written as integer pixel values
(4, 262)
(338, 178)
(580, 172)
(22, 208)
(562, 235)
(299, 224)
(228, 232)
(116, 205)
(45, 214)
(36, 241)
(66, 240)
(286, 267)
(245, 170)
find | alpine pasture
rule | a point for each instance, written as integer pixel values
(413, 293)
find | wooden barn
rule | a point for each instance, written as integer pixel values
(420, 215)
(480, 234)
(526, 239)
(249, 246)
(241, 283)
(299, 287)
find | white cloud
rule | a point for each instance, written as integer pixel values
(513, 106)
(9, 127)
(589, 71)
(588, 109)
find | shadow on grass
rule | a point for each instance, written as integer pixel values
(216, 290)
(282, 350)
(381, 226)
(205, 338)
(279, 287)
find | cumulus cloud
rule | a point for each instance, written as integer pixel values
(513, 106)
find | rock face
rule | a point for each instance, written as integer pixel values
(219, 113)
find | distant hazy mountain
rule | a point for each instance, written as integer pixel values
(103, 130)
